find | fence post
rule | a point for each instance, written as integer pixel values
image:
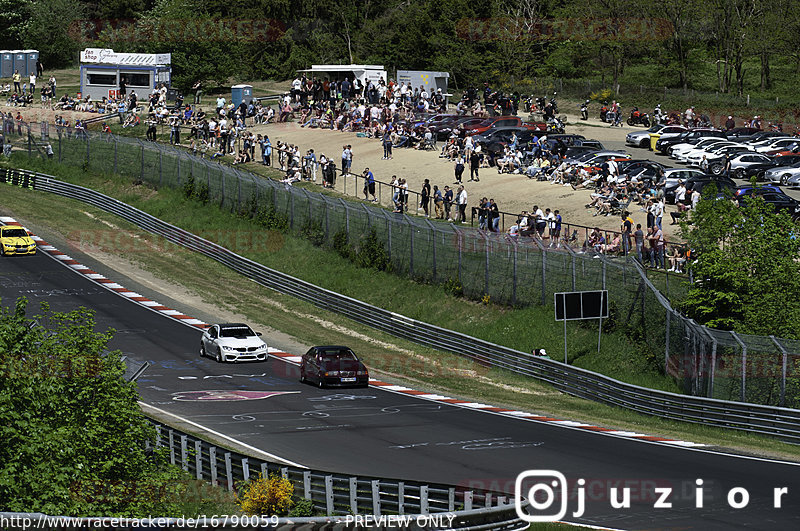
(451, 499)
(423, 500)
(376, 497)
(264, 470)
(245, 468)
(212, 461)
(171, 447)
(514, 276)
(666, 343)
(327, 220)
(198, 459)
(460, 240)
(432, 241)
(544, 273)
(346, 217)
(388, 233)
(353, 499)
(307, 484)
(141, 168)
(401, 498)
(160, 168)
(485, 263)
(468, 500)
(603, 265)
(178, 161)
(784, 360)
(411, 247)
(329, 495)
(742, 389)
(291, 210)
(229, 471)
(87, 148)
(222, 182)
(59, 147)
(184, 453)
(115, 154)
(713, 364)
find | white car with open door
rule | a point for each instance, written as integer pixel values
(232, 342)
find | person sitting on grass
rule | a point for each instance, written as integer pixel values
(614, 246)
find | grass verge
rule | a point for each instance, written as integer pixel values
(389, 357)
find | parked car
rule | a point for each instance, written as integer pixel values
(742, 134)
(700, 182)
(782, 174)
(680, 151)
(779, 200)
(781, 144)
(641, 139)
(759, 169)
(232, 342)
(495, 121)
(333, 366)
(673, 176)
(746, 164)
(668, 140)
(15, 240)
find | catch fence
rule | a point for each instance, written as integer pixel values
(706, 362)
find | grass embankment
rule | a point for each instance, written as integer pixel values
(389, 357)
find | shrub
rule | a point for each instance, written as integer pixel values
(202, 193)
(452, 286)
(341, 244)
(266, 496)
(188, 187)
(302, 507)
(269, 218)
(313, 232)
(371, 253)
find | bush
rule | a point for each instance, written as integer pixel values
(371, 253)
(269, 218)
(341, 244)
(188, 188)
(452, 286)
(313, 232)
(202, 193)
(266, 496)
(302, 507)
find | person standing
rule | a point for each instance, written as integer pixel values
(638, 237)
(387, 145)
(494, 216)
(32, 82)
(461, 199)
(627, 227)
(438, 202)
(311, 163)
(198, 91)
(369, 184)
(344, 160)
(474, 165)
(349, 157)
(425, 197)
(123, 87)
(448, 202)
(16, 79)
(556, 234)
(459, 169)
(53, 87)
(39, 68)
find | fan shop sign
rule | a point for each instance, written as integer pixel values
(110, 57)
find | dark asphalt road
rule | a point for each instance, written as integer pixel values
(377, 432)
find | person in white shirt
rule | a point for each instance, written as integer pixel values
(403, 92)
(462, 204)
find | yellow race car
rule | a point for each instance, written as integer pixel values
(14, 240)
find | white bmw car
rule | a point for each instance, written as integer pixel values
(232, 342)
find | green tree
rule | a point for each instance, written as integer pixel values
(73, 435)
(747, 271)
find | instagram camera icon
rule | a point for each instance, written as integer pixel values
(541, 495)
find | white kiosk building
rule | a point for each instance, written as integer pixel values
(363, 73)
(103, 68)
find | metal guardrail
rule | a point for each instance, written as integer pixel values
(331, 493)
(768, 420)
(496, 518)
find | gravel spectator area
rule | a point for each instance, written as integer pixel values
(512, 192)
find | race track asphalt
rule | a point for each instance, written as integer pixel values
(376, 432)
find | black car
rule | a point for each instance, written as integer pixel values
(333, 366)
(632, 166)
(722, 183)
(779, 200)
(742, 134)
(663, 144)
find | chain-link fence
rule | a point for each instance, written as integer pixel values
(522, 272)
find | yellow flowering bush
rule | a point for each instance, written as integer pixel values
(266, 496)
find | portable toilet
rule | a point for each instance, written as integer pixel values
(6, 63)
(32, 58)
(241, 93)
(21, 63)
